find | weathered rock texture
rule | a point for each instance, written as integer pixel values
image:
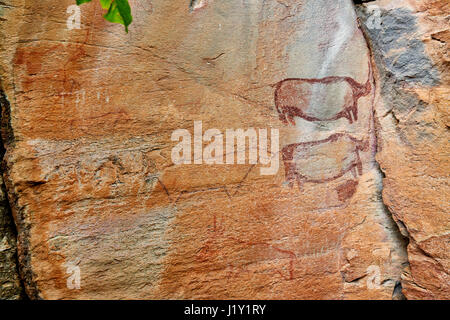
(410, 41)
(96, 196)
(10, 286)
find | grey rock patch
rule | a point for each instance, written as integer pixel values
(401, 51)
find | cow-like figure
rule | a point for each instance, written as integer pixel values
(323, 160)
(324, 99)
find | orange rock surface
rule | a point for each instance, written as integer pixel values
(102, 210)
(413, 120)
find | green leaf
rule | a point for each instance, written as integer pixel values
(105, 3)
(119, 11)
(125, 12)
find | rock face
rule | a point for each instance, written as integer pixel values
(126, 181)
(410, 41)
(10, 286)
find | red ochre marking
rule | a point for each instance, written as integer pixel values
(292, 173)
(287, 111)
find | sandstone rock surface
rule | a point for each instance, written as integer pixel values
(102, 210)
(410, 41)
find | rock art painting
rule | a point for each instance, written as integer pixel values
(301, 159)
(93, 116)
(325, 99)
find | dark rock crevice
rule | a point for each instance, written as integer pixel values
(11, 283)
(396, 228)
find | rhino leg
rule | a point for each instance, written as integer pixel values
(299, 183)
(289, 170)
(291, 119)
(354, 111)
(353, 170)
(282, 117)
(359, 163)
(348, 116)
